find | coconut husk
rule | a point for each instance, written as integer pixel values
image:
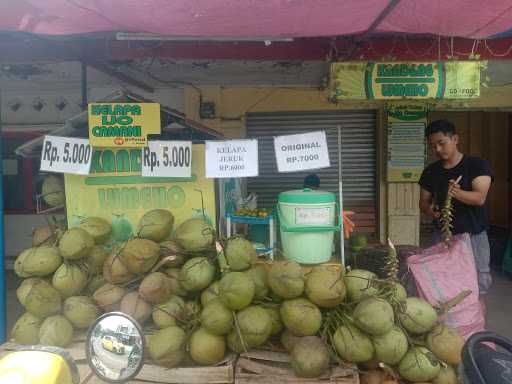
(156, 288)
(139, 255)
(108, 297)
(133, 305)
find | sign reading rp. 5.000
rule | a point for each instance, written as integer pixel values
(123, 124)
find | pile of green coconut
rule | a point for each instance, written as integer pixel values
(196, 301)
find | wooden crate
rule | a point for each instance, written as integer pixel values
(222, 373)
(268, 367)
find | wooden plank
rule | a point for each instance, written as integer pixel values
(244, 378)
(262, 369)
(267, 355)
(192, 375)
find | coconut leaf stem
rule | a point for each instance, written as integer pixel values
(444, 308)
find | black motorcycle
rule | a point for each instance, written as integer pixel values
(482, 364)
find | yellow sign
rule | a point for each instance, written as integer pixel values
(411, 80)
(115, 191)
(123, 124)
(406, 141)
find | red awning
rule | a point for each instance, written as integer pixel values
(258, 18)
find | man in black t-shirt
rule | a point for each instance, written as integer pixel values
(467, 179)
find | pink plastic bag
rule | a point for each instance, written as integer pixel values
(441, 273)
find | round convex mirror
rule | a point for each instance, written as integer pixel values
(115, 347)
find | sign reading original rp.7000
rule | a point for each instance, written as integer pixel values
(122, 124)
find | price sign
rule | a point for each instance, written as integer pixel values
(232, 158)
(167, 159)
(66, 155)
(301, 152)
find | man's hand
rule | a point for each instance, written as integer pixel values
(477, 196)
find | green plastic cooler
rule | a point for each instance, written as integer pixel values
(307, 222)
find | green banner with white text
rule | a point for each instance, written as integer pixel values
(405, 80)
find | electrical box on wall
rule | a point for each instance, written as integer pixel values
(207, 110)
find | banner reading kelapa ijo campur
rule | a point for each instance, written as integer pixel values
(411, 80)
(116, 191)
(122, 124)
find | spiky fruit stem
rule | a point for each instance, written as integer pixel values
(446, 220)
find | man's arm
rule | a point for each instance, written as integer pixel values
(477, 196)
(426, 204)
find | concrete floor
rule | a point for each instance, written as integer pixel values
(499, 303)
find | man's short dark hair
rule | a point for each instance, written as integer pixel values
(443, 126)
(312, 181)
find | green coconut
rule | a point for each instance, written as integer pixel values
(259, 275)
(301, 317)
(24, 288)
(275, 315)
(390, 347)
(310, 357)
(108, 297)
(98, 228)
(216, 318)
(52, 191)
(289, 340)
(75, 244)
(57, 331)
(358, 284)
(207, 348)
(240, 254)
(44, 236)
(171, 248)
(156, 225)
(140, 255)
(352, 344)
(255, 326)
(114, 269)
(197, 274)
(417, 315)
(95, 260)
(95, 282)
(374, 316)
(446, 344)
(167, 346)
(133, 305)
(37, 262)
(156, 288)
(325, 287)
(43, 300)
(81, 311)
(286, 279)
(26, 329)
(236, 290)
(169, 313)
(174, 280)
(447, 375)
(70, 279)
(210, 293)
(419, 365)
(194, 235)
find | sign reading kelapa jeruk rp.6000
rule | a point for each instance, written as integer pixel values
(123, 124)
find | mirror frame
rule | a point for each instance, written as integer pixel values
(88, 343)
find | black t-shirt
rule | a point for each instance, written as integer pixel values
(435, 178)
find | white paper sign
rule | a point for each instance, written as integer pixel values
(313, 216)
(167, 159)
(232, 158)
(301, 152)
(66, 155)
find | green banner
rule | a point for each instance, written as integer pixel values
(405, 80)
